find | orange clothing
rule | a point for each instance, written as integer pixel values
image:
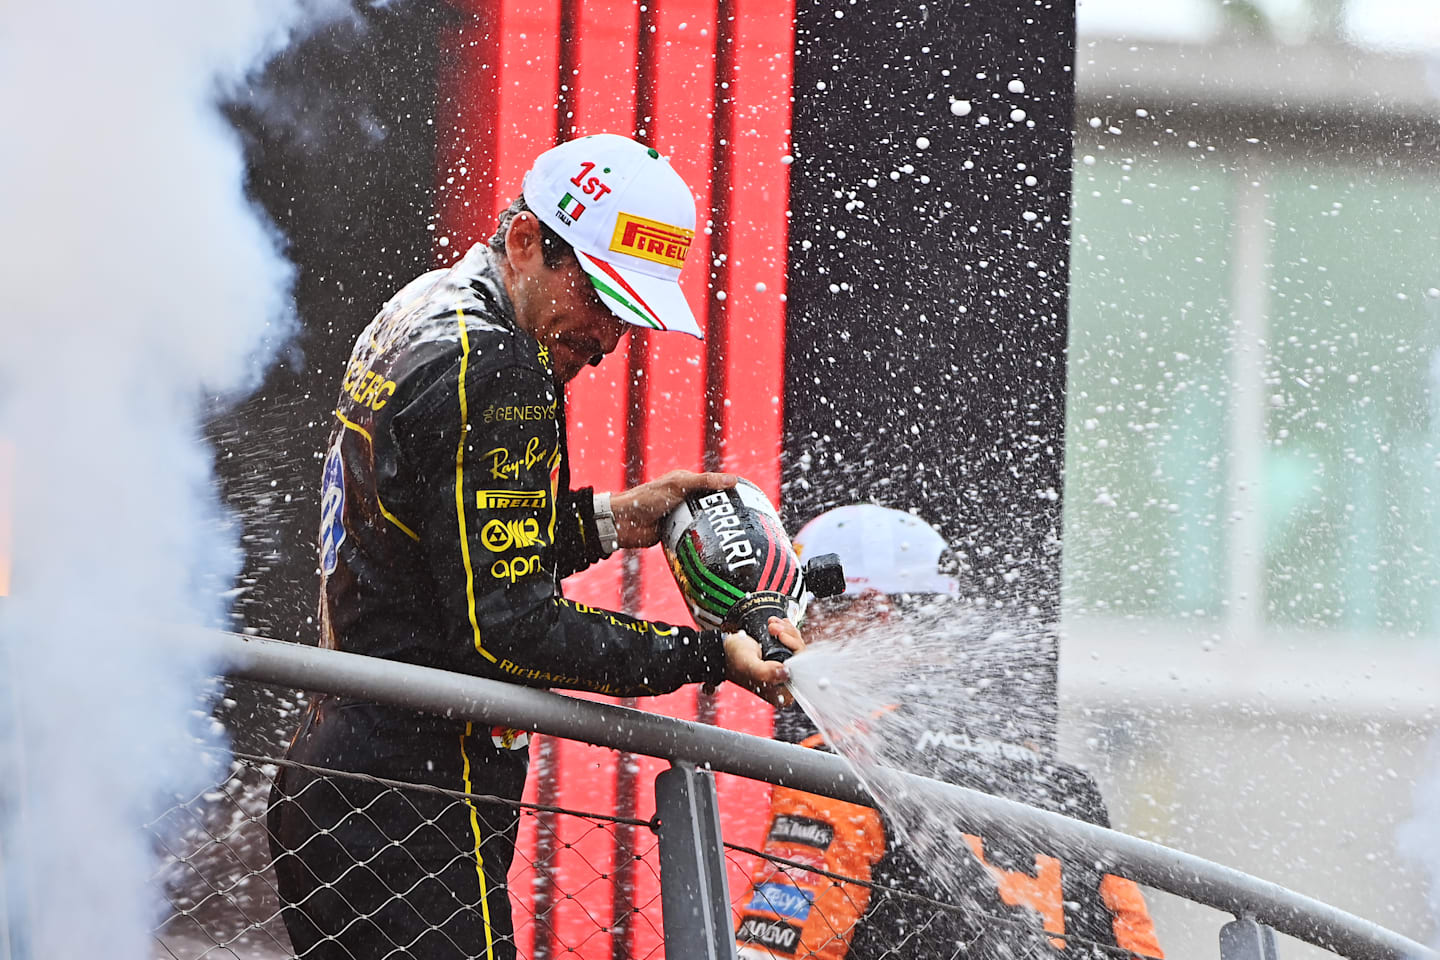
(790, 912)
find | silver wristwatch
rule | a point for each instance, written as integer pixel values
(605, 525)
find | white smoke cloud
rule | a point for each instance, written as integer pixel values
(1419, 837)
(139, 284)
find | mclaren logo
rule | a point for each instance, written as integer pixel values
(954, 740)
(651, 240)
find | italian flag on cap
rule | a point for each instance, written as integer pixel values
(571, 206)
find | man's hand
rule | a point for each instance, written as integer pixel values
(639, 509)
(764, 678)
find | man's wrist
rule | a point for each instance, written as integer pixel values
(712, 653)
(605, 525)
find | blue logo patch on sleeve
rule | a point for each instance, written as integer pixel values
(782, 900)
(332, 511)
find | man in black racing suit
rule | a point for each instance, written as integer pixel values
(447, 525)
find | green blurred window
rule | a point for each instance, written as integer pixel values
(1146, 418)
(1350, 525)
(1351, 353)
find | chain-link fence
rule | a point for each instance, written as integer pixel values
(218, 871)
(219, 862)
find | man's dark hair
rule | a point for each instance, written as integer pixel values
(553, 249)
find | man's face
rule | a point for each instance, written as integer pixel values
(558, 306)
(833, 617)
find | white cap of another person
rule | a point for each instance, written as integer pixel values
(889, 551)
(629, 217)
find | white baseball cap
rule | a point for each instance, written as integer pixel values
(629, 217)
(881, 549)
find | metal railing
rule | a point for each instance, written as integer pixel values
(698, 921)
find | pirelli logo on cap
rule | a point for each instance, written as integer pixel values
(508, 499)
(651, 240)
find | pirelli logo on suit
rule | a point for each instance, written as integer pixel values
(511, 499)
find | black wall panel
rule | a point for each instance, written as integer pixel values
(928, 275)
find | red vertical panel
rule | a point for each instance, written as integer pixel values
(521, 878)
(604, 88)
(681, 128)
(498, 93)
(498, 88)
(527, 91)
(584, 850)
(602, 99)
(465, 144)
(595, 411)
(523, 121)
(758, 237)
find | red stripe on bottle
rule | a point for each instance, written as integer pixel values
(772, 554)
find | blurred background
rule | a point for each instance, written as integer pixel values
(1252, 545)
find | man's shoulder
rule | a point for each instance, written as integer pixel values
(451, 318)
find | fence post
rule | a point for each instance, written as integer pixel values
(1244, 939)
(693, 893)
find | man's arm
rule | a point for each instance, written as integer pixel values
(1117, 904)
(578, 539)
(488, 463)
(486, 448)
(1130, 918)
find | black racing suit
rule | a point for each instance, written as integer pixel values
(447, 524)
(793, 913)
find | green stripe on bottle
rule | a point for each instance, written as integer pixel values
(687, 547)
(710, 605)
(706, 582)
(704, 597)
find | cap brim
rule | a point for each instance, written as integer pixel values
(645, 301)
